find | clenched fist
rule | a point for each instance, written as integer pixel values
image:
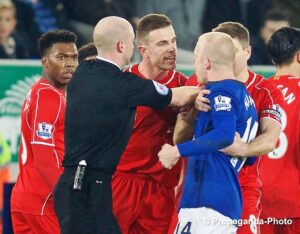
(168, 155)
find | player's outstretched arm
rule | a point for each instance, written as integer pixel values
(265, 142)
(183, 96)
(184, 128)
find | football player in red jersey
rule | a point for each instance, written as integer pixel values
(143, 190)
(42, 136)
(268, 101)
(280, 169)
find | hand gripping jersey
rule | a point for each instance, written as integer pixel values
(211, 177)
(42, 135)
(280, 169)
(152, 129)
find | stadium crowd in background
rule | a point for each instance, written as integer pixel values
(272, 21)
(12, 44)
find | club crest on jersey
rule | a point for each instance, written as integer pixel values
(161, 89)
(44, 130)
(222, 103)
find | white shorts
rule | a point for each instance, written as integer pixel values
(203, 221)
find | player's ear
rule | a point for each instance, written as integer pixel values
(44, 61)
(298, 57)
(249, 52)
(142, 49)
(120, 46)
(207, 64)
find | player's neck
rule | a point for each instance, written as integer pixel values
(291, 69)
(221, 74)
(118, 60)
(51, 81)
(150, 72)
(243, 76)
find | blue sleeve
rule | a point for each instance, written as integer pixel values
(141, 92)
(223, 116)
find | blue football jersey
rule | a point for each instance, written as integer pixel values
(211, 177)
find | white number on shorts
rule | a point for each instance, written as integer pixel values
(185, 230)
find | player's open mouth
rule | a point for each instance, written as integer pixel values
(171, 59)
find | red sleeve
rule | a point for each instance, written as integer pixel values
(44, 122)
(271, 103)
(191, 81)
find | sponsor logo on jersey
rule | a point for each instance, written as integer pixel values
(44, 130)
(222, 103)
(160, 88)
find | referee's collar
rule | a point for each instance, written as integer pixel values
(107, 60)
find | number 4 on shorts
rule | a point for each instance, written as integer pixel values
(185, 230)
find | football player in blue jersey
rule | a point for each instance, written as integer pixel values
(211, 200)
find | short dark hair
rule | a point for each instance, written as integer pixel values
(151, 22)
(283, 45)
(86, 51)
(276, 15)
(47, 40)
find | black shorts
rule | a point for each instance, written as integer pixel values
(85, 211)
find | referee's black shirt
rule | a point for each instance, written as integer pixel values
(100, 112)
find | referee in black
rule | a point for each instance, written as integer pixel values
(101, 104)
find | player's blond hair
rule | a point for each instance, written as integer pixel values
(217, 47)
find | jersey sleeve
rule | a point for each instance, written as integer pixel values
(45, 116)
(44, 121)
(224, 113)
(141, 92)
(271, 104)
(191, 81)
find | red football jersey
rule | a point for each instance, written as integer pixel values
(42, 135)
(268, 102)
(280, 169)
(152, 129)
(192, 80)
